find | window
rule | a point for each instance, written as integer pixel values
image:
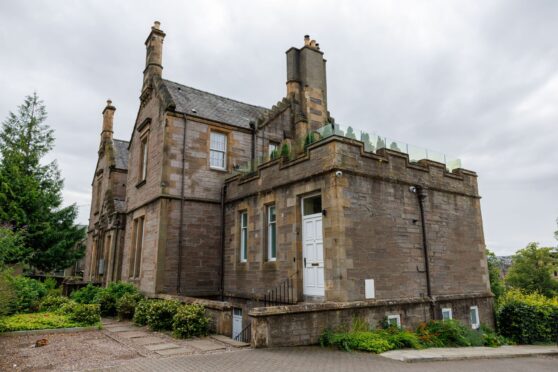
(394, 320)
(243, 236)
(271, 233)
(143, 159)
(218, 150)
(98, 195)
(272, 151)
(137, 245)
(447, 314)
(474, 316)
(312, 205)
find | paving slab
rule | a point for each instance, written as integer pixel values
(206, 345)
(148, 340)
(461, 353)
(134, 334)
(229, 341)
(120, 329)
(161, 346)
(175, 351)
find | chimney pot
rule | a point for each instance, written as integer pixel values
(156, 24)
(109, 102)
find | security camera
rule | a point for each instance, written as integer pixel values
(338, 174)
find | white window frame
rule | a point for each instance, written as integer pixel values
(271, 238)
(272, 147)
(395, 317)
(243, 236)
(449, 311)
(214, 149)
(476, 310)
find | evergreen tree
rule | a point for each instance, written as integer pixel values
(31, 192)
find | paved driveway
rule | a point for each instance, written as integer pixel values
(304, 359)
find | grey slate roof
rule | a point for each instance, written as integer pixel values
(211, 106)
(121, 154)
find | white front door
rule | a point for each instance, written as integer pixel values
(236, 322)
(312, 247)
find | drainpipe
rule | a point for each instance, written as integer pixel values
(421, 195)
(181, 228)
(253, 150)
(223, 196)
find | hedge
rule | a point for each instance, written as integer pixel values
(527, 318)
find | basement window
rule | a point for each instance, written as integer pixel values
(271, 233)
(474, 316)
(243, 236)
(447, 313)
(394, 320)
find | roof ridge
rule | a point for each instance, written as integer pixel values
(119, 140)
(217, 95)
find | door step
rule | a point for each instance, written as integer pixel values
(229, 341)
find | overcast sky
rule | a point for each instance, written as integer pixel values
(475, 79)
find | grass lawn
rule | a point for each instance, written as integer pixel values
(26, 322)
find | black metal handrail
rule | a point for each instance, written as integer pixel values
(283, 294)
(245, 335)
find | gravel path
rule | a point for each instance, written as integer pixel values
(117, 344)
(64, 352)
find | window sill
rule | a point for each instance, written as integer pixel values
(140, 184)
(222, 170)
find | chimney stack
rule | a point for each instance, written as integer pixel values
(306, 83)
(108, 116)
(154, 54)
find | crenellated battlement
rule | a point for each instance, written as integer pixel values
(349, 156)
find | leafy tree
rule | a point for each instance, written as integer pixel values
(30, 191)
(532, 268)
(496, 283)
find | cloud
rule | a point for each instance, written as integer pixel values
(479, 82)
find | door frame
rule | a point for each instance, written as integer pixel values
(302, 216)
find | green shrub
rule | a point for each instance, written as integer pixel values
(109, 296)
(448, 333)
(24, 322)
(363, 341)
(85, 295)
(190, 321)
(140, 312)
(107, 302)
(527, 318)
(52, 287)
(53, 303)
(84, 314)
(160, 314)
(7, 293)
(119, 289)
(28, 294)
(492, 339)
(126, 305)
(401, 339)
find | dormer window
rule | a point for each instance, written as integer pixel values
(218, 151)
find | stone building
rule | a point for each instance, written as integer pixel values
(244, 208)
